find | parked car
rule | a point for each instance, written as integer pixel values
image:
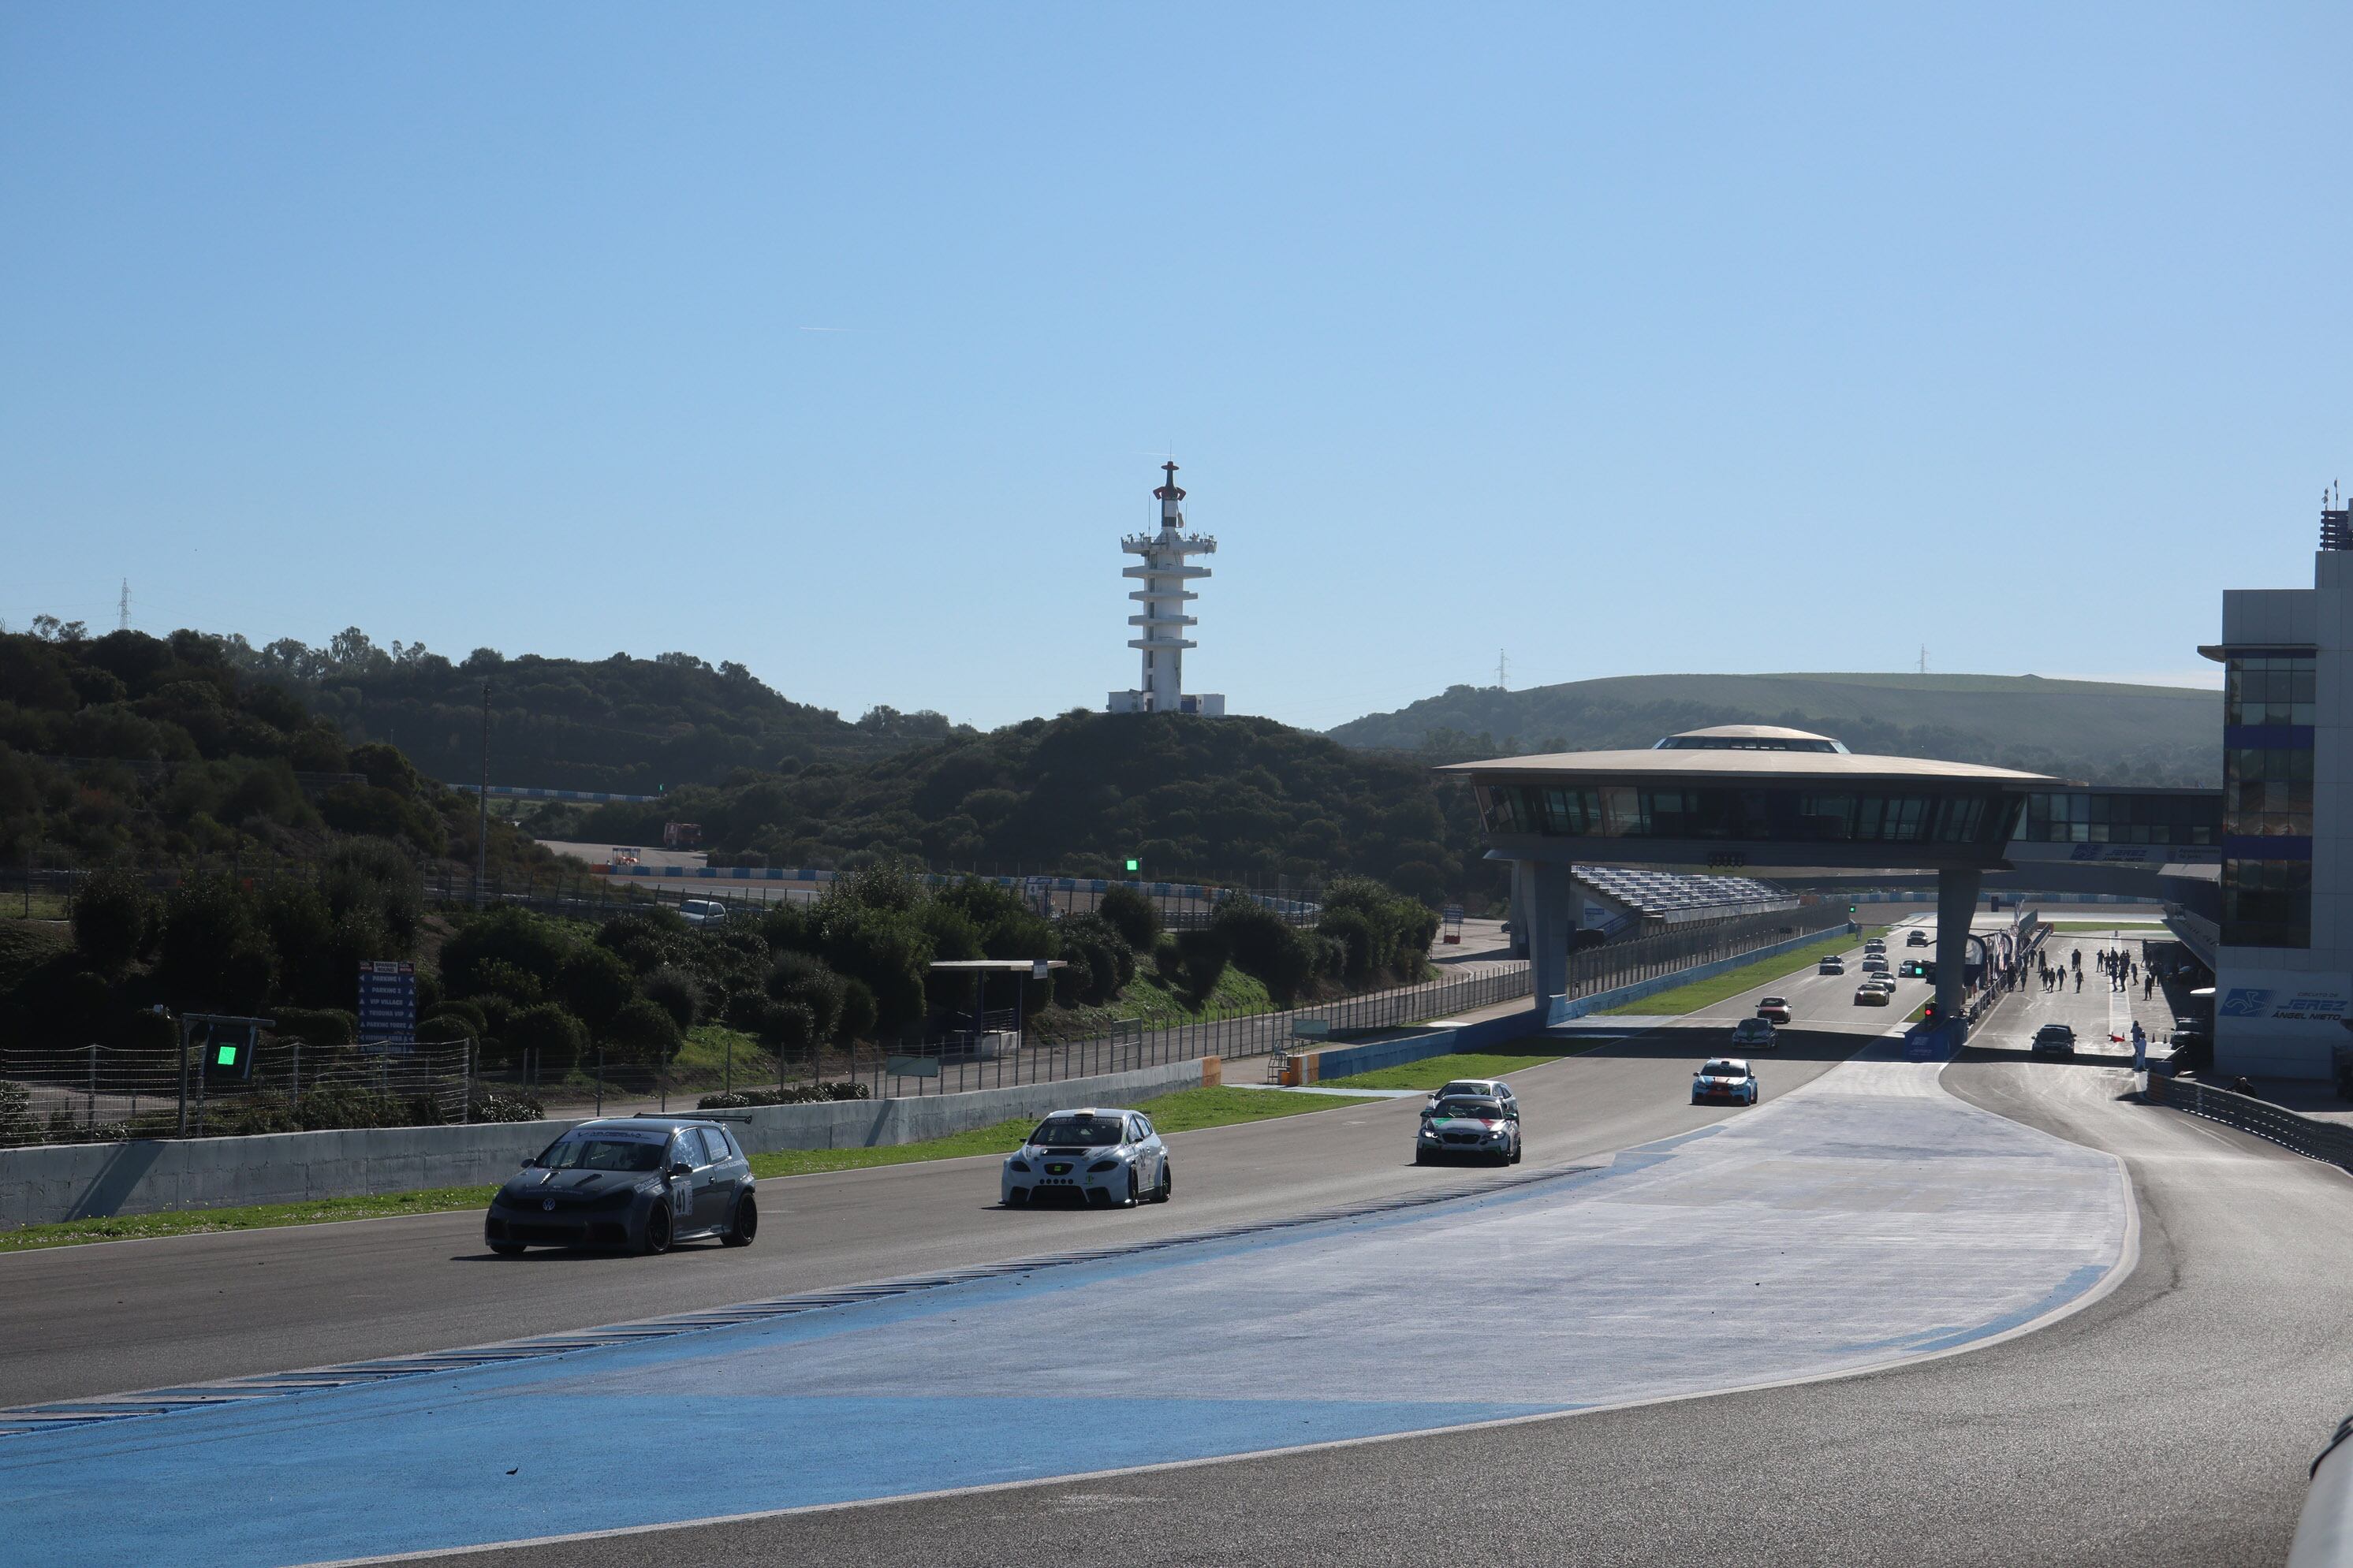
(1725, 1081)
(1468, 1127)
(637, 1183)
(703, 911)
(1100, 1157)
(1756, 1034)
(2055, 1038)
(1774, 1009)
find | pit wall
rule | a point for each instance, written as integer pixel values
(82, 1181)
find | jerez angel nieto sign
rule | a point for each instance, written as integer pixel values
(2252, 1002)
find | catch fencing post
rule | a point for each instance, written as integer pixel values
(466, 1106)
(93, 1083)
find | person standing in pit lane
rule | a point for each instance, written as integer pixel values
(2079, 983)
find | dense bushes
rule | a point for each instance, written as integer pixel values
(1084, 791)
(797, 1094)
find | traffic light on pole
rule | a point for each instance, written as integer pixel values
(1134, 865)
(1928, 1013)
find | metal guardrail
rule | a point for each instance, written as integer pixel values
(2329, 1142)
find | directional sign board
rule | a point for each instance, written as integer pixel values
(388, 1004)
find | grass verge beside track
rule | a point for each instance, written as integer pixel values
(1721, 987)
(1432, 1071)
(1182, 1111)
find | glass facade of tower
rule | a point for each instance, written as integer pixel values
(2268, 710)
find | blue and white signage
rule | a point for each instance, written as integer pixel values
(2282, 1004)
(388, 1003)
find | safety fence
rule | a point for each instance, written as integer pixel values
(2329, 1142)
(97, 1094)
(1232, 1037)
(1618, 963)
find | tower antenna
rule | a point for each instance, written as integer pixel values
(1923, 658)
(123, 608)
(1503, 667)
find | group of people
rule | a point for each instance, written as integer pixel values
(2055, 976)
(2123, 971)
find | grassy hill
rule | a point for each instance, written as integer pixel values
(1191, 797)
(632, 726)
(2103, 732)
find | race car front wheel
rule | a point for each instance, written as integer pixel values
(657, 1227)
(1168, 1188)
(746, 1224)
(1134, 1195)
(508, 1248)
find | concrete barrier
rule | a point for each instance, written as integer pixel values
(80, 1181)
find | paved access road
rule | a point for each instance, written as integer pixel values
(2170, 1422)
(115, 1317)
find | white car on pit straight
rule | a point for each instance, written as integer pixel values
(1093, 1156)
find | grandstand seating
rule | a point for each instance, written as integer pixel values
(1673, 898)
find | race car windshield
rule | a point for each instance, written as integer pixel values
(1725, 1070)
(1077, 1132)
(1474, 1109)
(602, 1154)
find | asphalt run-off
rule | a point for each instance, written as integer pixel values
(1864, 1219)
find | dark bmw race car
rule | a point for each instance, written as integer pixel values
(636, 1184)
(1468, 1127)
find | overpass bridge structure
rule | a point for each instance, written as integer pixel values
(1762, 799)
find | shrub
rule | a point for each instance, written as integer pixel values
(317, 1025)
(857, 1021)
(545, 1038)
(497, 977)
(644, 1034)
(114, 917)
(529, 944)
(798, 977)
(647, 939)
(1134, 916)
(1264, 946)
(789, 1026)
(17, 1115)
(678, 993)
(505, 1105)
(798, 1094)
(471, 1012)
(593, 986)
(214, 956)
(1203, 953)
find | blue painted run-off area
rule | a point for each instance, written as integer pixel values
(1137, 1359)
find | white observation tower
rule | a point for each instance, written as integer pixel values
(1161, 622)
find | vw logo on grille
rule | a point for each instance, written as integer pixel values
(547, 1203)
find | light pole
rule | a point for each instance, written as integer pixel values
(482, 820)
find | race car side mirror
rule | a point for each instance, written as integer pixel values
(529, 1161)
(682, 1168)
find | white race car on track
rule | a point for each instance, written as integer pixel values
(1726, 1081)
(1106, 1159)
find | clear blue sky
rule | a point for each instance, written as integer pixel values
(842, 341)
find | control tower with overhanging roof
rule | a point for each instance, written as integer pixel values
(1160, 621)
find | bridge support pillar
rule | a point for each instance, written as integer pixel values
(1541, 903)
(1956, 904)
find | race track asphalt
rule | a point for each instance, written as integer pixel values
(115, 1317)
(2169, 1422)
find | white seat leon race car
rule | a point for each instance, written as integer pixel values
(1099, 1158)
